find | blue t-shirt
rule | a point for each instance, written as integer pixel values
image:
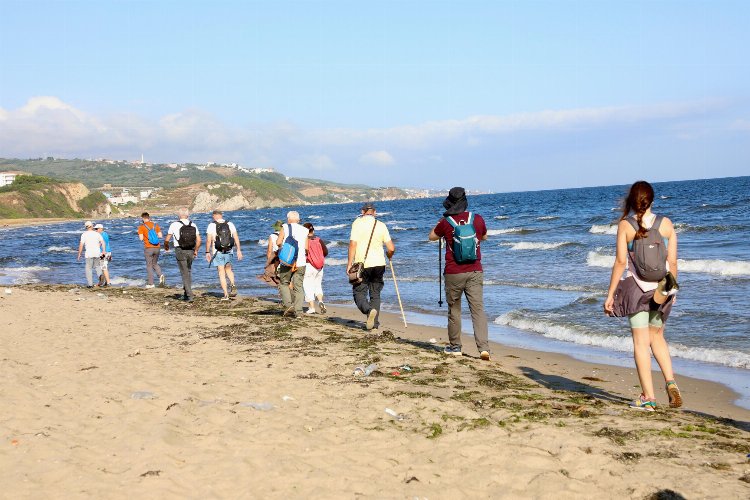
(105, 237)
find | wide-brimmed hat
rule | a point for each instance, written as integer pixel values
(455, 203)
(368, 206)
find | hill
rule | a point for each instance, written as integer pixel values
(202, 187)
(41, 197)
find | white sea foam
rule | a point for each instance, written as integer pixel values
(502, 217)
(262, 242)
(715, 266)
(315, 217)
(66, 232)
(121, 280)
(536, 245)
(709, 266)
(337, 226)
(332, 244)
(402, 228)
(510, 230)
(603, 229)
(548, 217)
(336, 262)
(20, 275)
(594, 259)
(545, 286)
(580, 335)
(60, 249)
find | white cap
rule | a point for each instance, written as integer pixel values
(99, 226)
(88, 223)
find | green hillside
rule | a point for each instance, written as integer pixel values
(43, 197)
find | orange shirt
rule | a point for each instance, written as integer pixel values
(142, 230)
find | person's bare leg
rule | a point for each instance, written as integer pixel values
(223, 280)
(661, 352)
(230, 274)
(642, 356)
(106, 275)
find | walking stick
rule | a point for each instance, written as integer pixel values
(393, 273)
(440, 272)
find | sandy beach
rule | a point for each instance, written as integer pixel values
(131, 393)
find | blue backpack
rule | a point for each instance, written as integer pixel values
(153, 238)
(288, 251)
(464, 240)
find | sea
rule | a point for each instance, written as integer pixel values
(546, 264)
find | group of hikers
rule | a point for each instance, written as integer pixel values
(642, 287)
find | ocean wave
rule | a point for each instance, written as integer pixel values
(337, 226)
(548, 217)
(708, 266)
(121, 280)
(715, 266)
(536, 245)
(336, 262)
(315, 217)
(401, 228)
(583, 336)
(66, 232)
(332, 244)
(603, 229)
(510, 230)
(60, 249)
(682, 227)
(21, 275)
(547, 286)
(262, 242)
(502, 217)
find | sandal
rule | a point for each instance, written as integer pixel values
(643, 403)
(675, 398)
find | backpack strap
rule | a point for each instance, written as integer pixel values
(369, 242)
(452, 222)
(633, 223)
(470, 220)
(657, 222)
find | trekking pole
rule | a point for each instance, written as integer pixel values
(393, 273)
(440, 272)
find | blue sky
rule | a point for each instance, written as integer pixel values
(497, 95)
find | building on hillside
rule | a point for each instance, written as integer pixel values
(123, 199)
(7, 178)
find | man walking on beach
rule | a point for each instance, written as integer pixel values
(221, 239)
(94, 247)
(104, 278)
(187, 240)
(150, 233)
(292, 271)
(463, 232)
(366, 242)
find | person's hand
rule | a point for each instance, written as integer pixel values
(79, 257)
(195, 253)
(609, 305)
(239, 254)
(208, 257)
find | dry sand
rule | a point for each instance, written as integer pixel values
(72, 361)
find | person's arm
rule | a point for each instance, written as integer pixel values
(352, 253)
(270, 254)
(621, 260)
(80, 248)
(168, 238)
(237, 244)
(325, 248)
(436, 233)
(209, 244)
(158, 230)
(390, 248)
(140, 234)
(102, 245)
(197, 242)
(671, 247)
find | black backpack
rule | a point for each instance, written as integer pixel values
(188, 236)
(224, 241)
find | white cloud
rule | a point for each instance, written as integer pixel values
(48, 125)
(377, 158)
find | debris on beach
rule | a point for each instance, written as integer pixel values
(362, 371)
(143, 395)
(433, 340)
(137, 352)
(287, 398)
(395, 414)
(258, 406)
(8, 291)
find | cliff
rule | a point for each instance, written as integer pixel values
(42, 197)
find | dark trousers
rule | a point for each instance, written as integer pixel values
(367, 293)
(184, 260)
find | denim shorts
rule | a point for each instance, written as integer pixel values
(222, 259)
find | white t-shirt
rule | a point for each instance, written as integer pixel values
(174, 229)
(274, 239)
(211, 231)
(300, 234)
(91, 244)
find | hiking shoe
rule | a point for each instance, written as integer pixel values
(453, 350)
(232, 290)
(675, 398)
(162, 280)
(148, 287)
(373, 314)
(644, 404)
(322, 307)
(485, 355)
(310, 311)
(224, 298)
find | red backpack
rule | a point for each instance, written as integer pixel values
(315, 253)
